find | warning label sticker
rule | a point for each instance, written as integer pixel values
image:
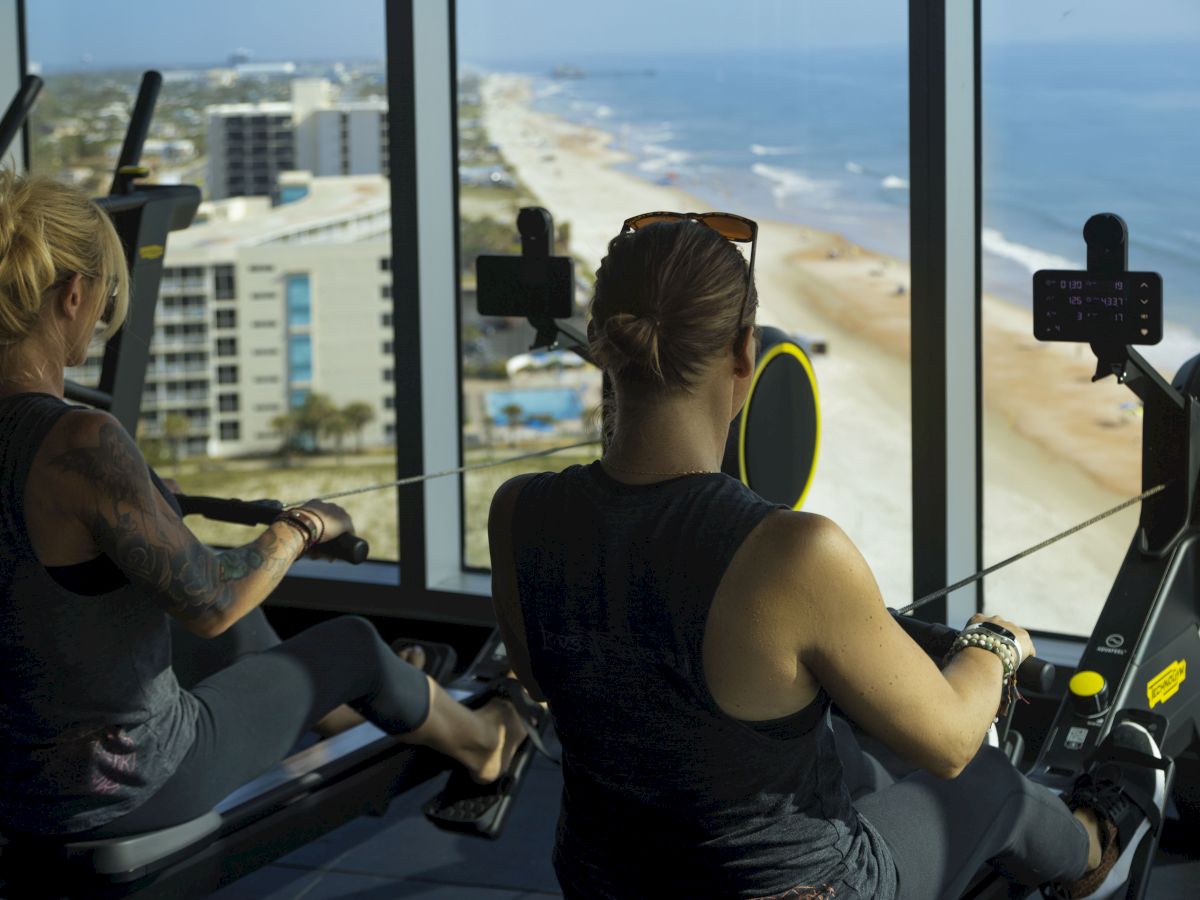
(1163, 686)
(1076, 738)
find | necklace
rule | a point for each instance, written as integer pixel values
(624, 471)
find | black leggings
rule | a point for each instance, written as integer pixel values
(253, 712)
(942, 832)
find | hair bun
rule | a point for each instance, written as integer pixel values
(628, 340)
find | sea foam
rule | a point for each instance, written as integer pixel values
(763, 150)
(1030, 258)
(894, 183)
(785, 182)
(661, 159)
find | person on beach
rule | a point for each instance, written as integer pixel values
(99, 739)
(690, 638)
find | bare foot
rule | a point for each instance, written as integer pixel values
(413, 654)
(501, 718)
(1092, 825)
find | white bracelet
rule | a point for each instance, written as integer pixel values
(1009, 642)
(991, 642)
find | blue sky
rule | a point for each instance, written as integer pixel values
(182, 32)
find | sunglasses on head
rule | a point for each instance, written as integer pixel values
(730, 226)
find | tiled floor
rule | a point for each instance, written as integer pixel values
(401, 856)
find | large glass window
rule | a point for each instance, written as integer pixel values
(249, 111)
(299, 358)
(1087, 108)
(793, 114)
(299, 300)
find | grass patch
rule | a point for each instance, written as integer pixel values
(375, 514)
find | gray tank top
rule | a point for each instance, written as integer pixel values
(663, 791)
(92, 720)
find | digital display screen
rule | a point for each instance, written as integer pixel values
(1081, 306)
(501, 289)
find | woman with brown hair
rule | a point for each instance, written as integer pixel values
(690, 638)
(96, 736)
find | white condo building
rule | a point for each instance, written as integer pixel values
(261, 305)
(251, 144)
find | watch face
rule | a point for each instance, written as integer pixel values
(997, 629)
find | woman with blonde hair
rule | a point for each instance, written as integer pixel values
(97, 737)
(690, 639)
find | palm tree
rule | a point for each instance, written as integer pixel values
(336, 426)
(512, 412)
(287, 426)
(358, 416)
(311, 416)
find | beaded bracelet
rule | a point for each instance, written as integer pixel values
(1008, 652)
(303, 524)
(992, 642)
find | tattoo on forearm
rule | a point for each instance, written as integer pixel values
(156, 551)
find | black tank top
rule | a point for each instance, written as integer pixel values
(664, 791)
(92, 719)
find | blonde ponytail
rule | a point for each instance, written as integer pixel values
(48, 233)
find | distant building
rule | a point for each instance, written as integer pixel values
(262, 304)
(251, 144)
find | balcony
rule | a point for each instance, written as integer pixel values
(169, 314)
(160, 400)
(173, 370)
(164, 343)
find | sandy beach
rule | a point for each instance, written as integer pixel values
(1059, 448)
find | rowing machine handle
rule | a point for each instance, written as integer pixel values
(1034, 674)
(346, 547)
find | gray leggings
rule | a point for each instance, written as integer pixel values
(942, 832)
(253, 711)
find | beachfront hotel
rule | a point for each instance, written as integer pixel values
(262, 304)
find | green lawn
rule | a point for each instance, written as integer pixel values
(375, 514)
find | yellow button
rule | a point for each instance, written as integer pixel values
(1086, 683)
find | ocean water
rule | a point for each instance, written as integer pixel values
(821, 138)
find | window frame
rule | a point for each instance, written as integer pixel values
(944, 104)
(432, 582)
(14, 44)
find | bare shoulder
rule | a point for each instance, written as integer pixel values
(87, 429)
(811, 563)
(90, 449)
(793, 542)
(86, 465)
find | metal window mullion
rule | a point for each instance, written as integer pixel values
(945, 301)
(12, 51)
(437, 238)
(405, 272)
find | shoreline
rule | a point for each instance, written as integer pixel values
(1047, 467)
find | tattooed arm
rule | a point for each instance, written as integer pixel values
(105, 483)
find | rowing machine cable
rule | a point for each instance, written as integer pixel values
(907, 610)
(417, 479)
(983, 573)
